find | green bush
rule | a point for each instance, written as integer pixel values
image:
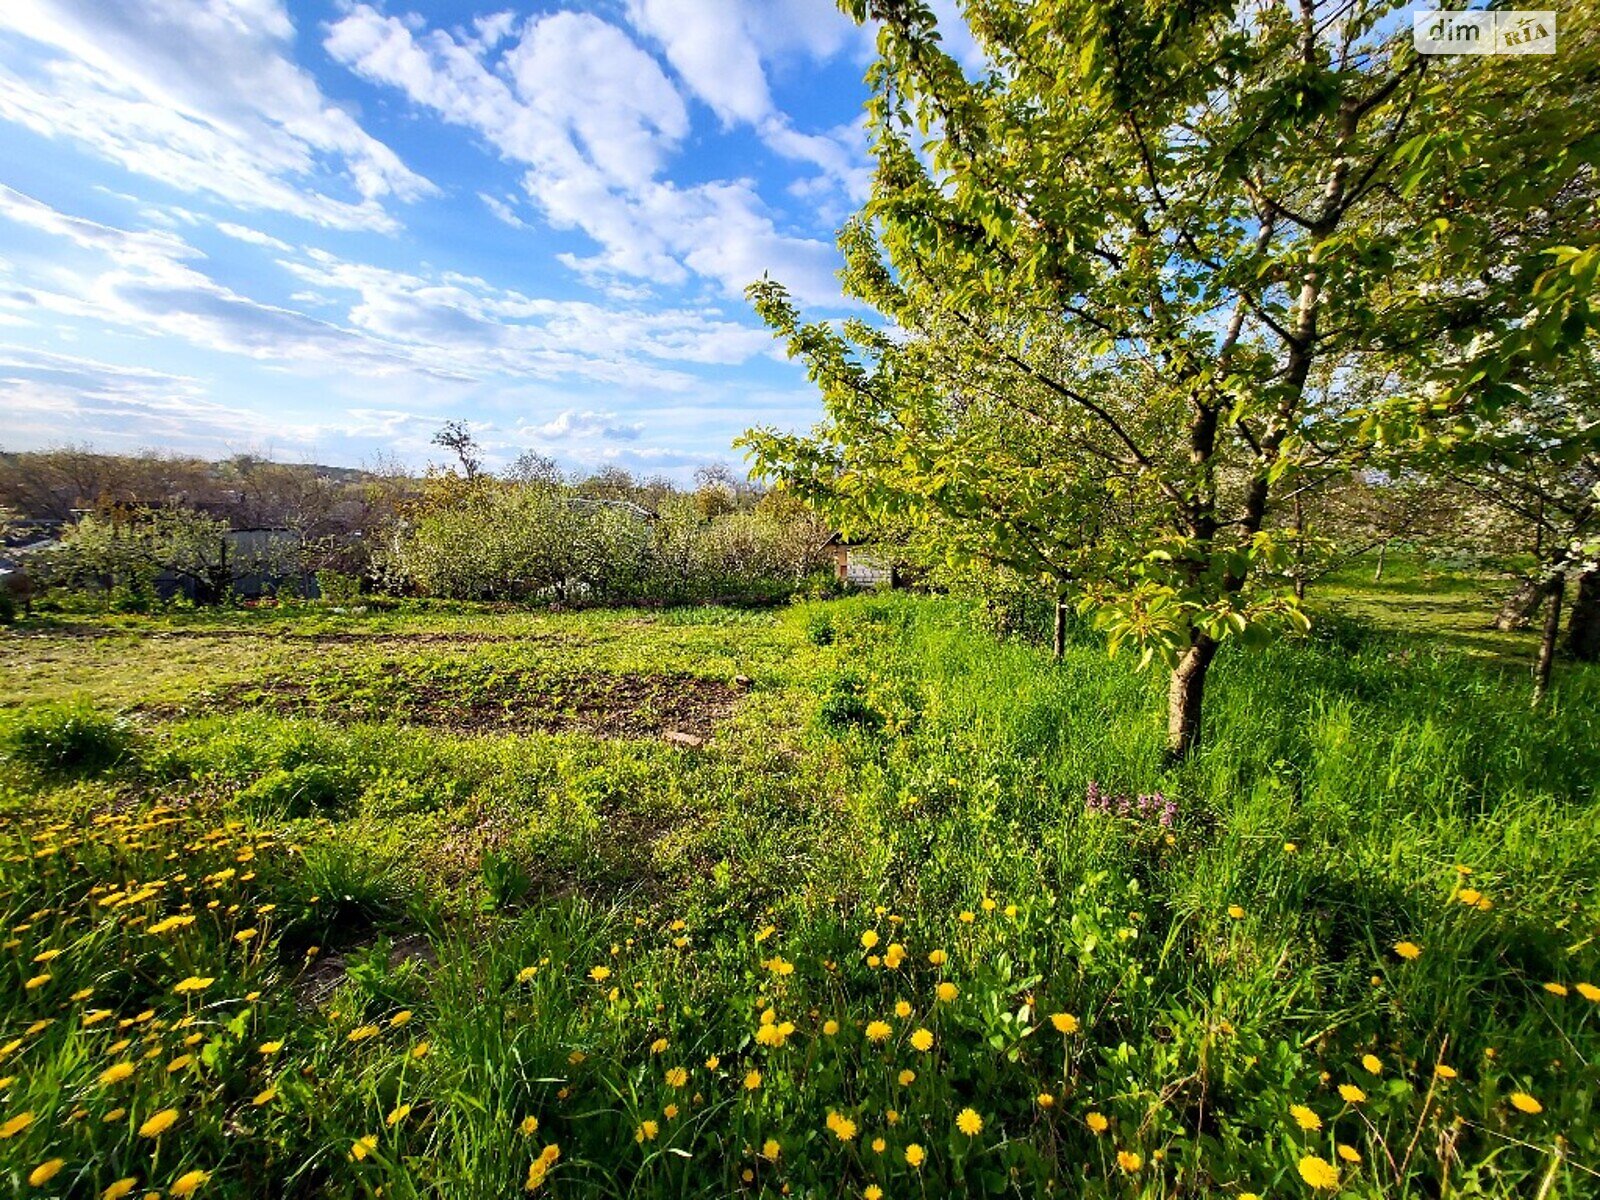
(845, 707)
(306, 790)
(68, 739)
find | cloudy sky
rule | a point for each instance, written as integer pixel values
(317, 229)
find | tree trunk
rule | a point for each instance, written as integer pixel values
(1185, 697)
(1583, 626)
(1557, 587)
(1299, 550)
(1383, 549)
(1522, 605)
(1059, 645)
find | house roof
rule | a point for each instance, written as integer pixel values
(839, 539)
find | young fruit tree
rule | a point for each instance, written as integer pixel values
(1119, 273)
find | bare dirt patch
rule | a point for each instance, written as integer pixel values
(602, 704)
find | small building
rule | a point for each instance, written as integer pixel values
(862, 563)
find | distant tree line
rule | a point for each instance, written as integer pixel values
(135, 529)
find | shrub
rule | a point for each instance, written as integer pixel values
(845, 706)
(302, 791)
(338, 588)
(68, 739)
(819, 629)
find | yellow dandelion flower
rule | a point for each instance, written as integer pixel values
(670, 1112)
(16, 1125)
(270, 1048)
(46, 1171)
(400, 1018)
(907, 1077)
(1408, 950)
(770, 1149)
(969, 1122)
(1097, 1122)
(646, 1132)
(1045, 1100)
(713, 1063)
(915, 1155)
(362, 1032)
(1129, 1161)
(752, 1081)
(1304, 1117)
(189, 1183)
(116, 1114)
(1589, 992)
(38, 981)
(902, 1008)
(195, 983)
(1319, 1173)
(843, 1127)
(938, 958)
(872, 1192)
(1236, 912)
(947, 992)
(116, 1073)
(120, 1188)
(363, 1146)
(397, 1114)
(599, 974)
(179, 1063)
(1349, 1153)
(878, 1031)
(869, 939)
(967, 916)
(159, 1123)
(265, 1097)
(1064, 1022)
(659, 1046)
(1523, 1102)
(1443, 1071)
(1372, 1063)
(1351, 1094)
(420, 1050)
(830, 1027)
(1555, 989)
(677, 1077)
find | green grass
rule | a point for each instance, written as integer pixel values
(888, 769)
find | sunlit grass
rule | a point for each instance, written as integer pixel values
(877, 935)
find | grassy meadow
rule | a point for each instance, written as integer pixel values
(842, 899)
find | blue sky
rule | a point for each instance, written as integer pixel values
(316, 229)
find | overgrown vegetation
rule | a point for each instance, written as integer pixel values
(891, 927)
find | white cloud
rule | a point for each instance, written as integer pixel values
(502, 211)
(124, 408)
(255, 237)
(203, 96)
(708, 43)
(719, 49)
(587, 424)
(443, 327)
(594, 120)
